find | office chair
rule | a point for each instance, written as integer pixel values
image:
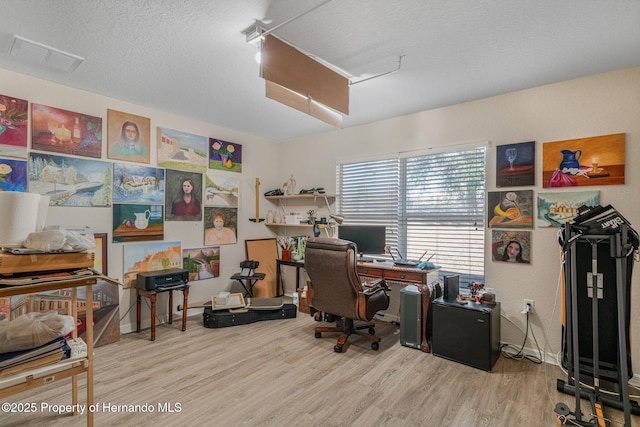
(337, 290)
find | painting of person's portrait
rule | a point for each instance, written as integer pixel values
(128, 137)
(220, 226)
(183, 201)
(511, 246)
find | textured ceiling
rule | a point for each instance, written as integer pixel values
(190, 57)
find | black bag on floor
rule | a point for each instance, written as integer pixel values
(223, 318)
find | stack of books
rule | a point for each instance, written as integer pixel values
(46, 354)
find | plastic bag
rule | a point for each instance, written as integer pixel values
(33, 329)
(59, 241)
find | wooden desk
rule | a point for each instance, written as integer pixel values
(12, 267)
(153, 297)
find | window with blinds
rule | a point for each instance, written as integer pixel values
(431, 205)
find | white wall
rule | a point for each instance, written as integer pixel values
(259, 160)
(596, 105)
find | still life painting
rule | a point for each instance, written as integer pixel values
(510, 209)
(201, 263)
(14, 114)
(511, 246)
(221, 189)
(61, 131)
(224, 155)
(183, 196)
(128, 137)
(13, 175)
(555, 209)
(149, 257)
(70, 181)
(137, 222)
(597, 160)
(138, 184)
(182, 150)
(515, 164)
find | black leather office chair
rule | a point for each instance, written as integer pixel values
(337, 289)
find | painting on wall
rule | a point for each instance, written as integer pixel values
(156, 256)
(555, 209)
(201, 263)
(221, 189)
(183, 196)
(220, 226)
(515, 164)
(128, 137)
(137, 223)
(138, 184)
(182, 150)
(510, 209)
(13, 175)
(70, 181)
(511, 246)
(61, 131)
(597, 160)
(14, 115)
(224, 155)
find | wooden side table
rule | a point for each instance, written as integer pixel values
(153, 296)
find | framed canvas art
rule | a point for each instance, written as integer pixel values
(597, 160)
(137, 222)
(182, 150)
(138, 184)
(66, 132)
(152, 256)
(510, 209)
(220, 226)
(221, 189)
(14, 114)
(515, 164)
(128, 137)
(183, 200)
(13, 175)
(511, 246)
(201, 263)
(224, 155)
(555, 209)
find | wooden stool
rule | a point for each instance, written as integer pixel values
(153, 296)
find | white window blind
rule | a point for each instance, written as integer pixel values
(433, 204)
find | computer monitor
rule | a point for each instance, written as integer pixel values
(369, 239)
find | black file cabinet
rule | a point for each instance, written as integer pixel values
(466, 333)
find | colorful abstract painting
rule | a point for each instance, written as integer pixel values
(555, 209)
(511, 246)
(221, 189)
(138, 184)
(510, 209)
(14, 114)
(224, 155)
(128, 137)
(149, 257)
(182, 150)
(70, 181)
(13, 175)
(597, 160)
(201, 263)
(137, 223)
(515, 164)
(61, 131)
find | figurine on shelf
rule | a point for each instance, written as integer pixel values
(289, 186)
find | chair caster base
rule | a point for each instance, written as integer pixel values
(337, 349)
(375, 346)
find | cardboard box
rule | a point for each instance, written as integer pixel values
(304, 303)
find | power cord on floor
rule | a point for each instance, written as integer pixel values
(519, 354)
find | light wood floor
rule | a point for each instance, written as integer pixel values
(276, 373)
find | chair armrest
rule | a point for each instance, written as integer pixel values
(370, 287)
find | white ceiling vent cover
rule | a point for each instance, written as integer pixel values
(47, 56)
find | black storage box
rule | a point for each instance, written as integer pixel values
(223, 318)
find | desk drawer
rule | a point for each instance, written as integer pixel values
(405, 276)
(370, 271)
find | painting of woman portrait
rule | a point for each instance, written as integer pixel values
(129, 137)
(183, 196)
(220, 226)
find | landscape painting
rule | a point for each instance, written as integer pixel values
(201, 263)
(221, 189)
(510, 209)
(138, 184)
(61, 131)
(515, 164)
(149, 257)
(182, 150)
(70, 181)
(14, 115)
(224, 155)
(13, 175)
(555, 209)
(597, 160)
(137, 222)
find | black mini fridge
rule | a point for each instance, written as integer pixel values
(466, 333)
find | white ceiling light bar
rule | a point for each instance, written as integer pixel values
(38, 53)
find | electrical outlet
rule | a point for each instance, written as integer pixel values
(528, 305)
